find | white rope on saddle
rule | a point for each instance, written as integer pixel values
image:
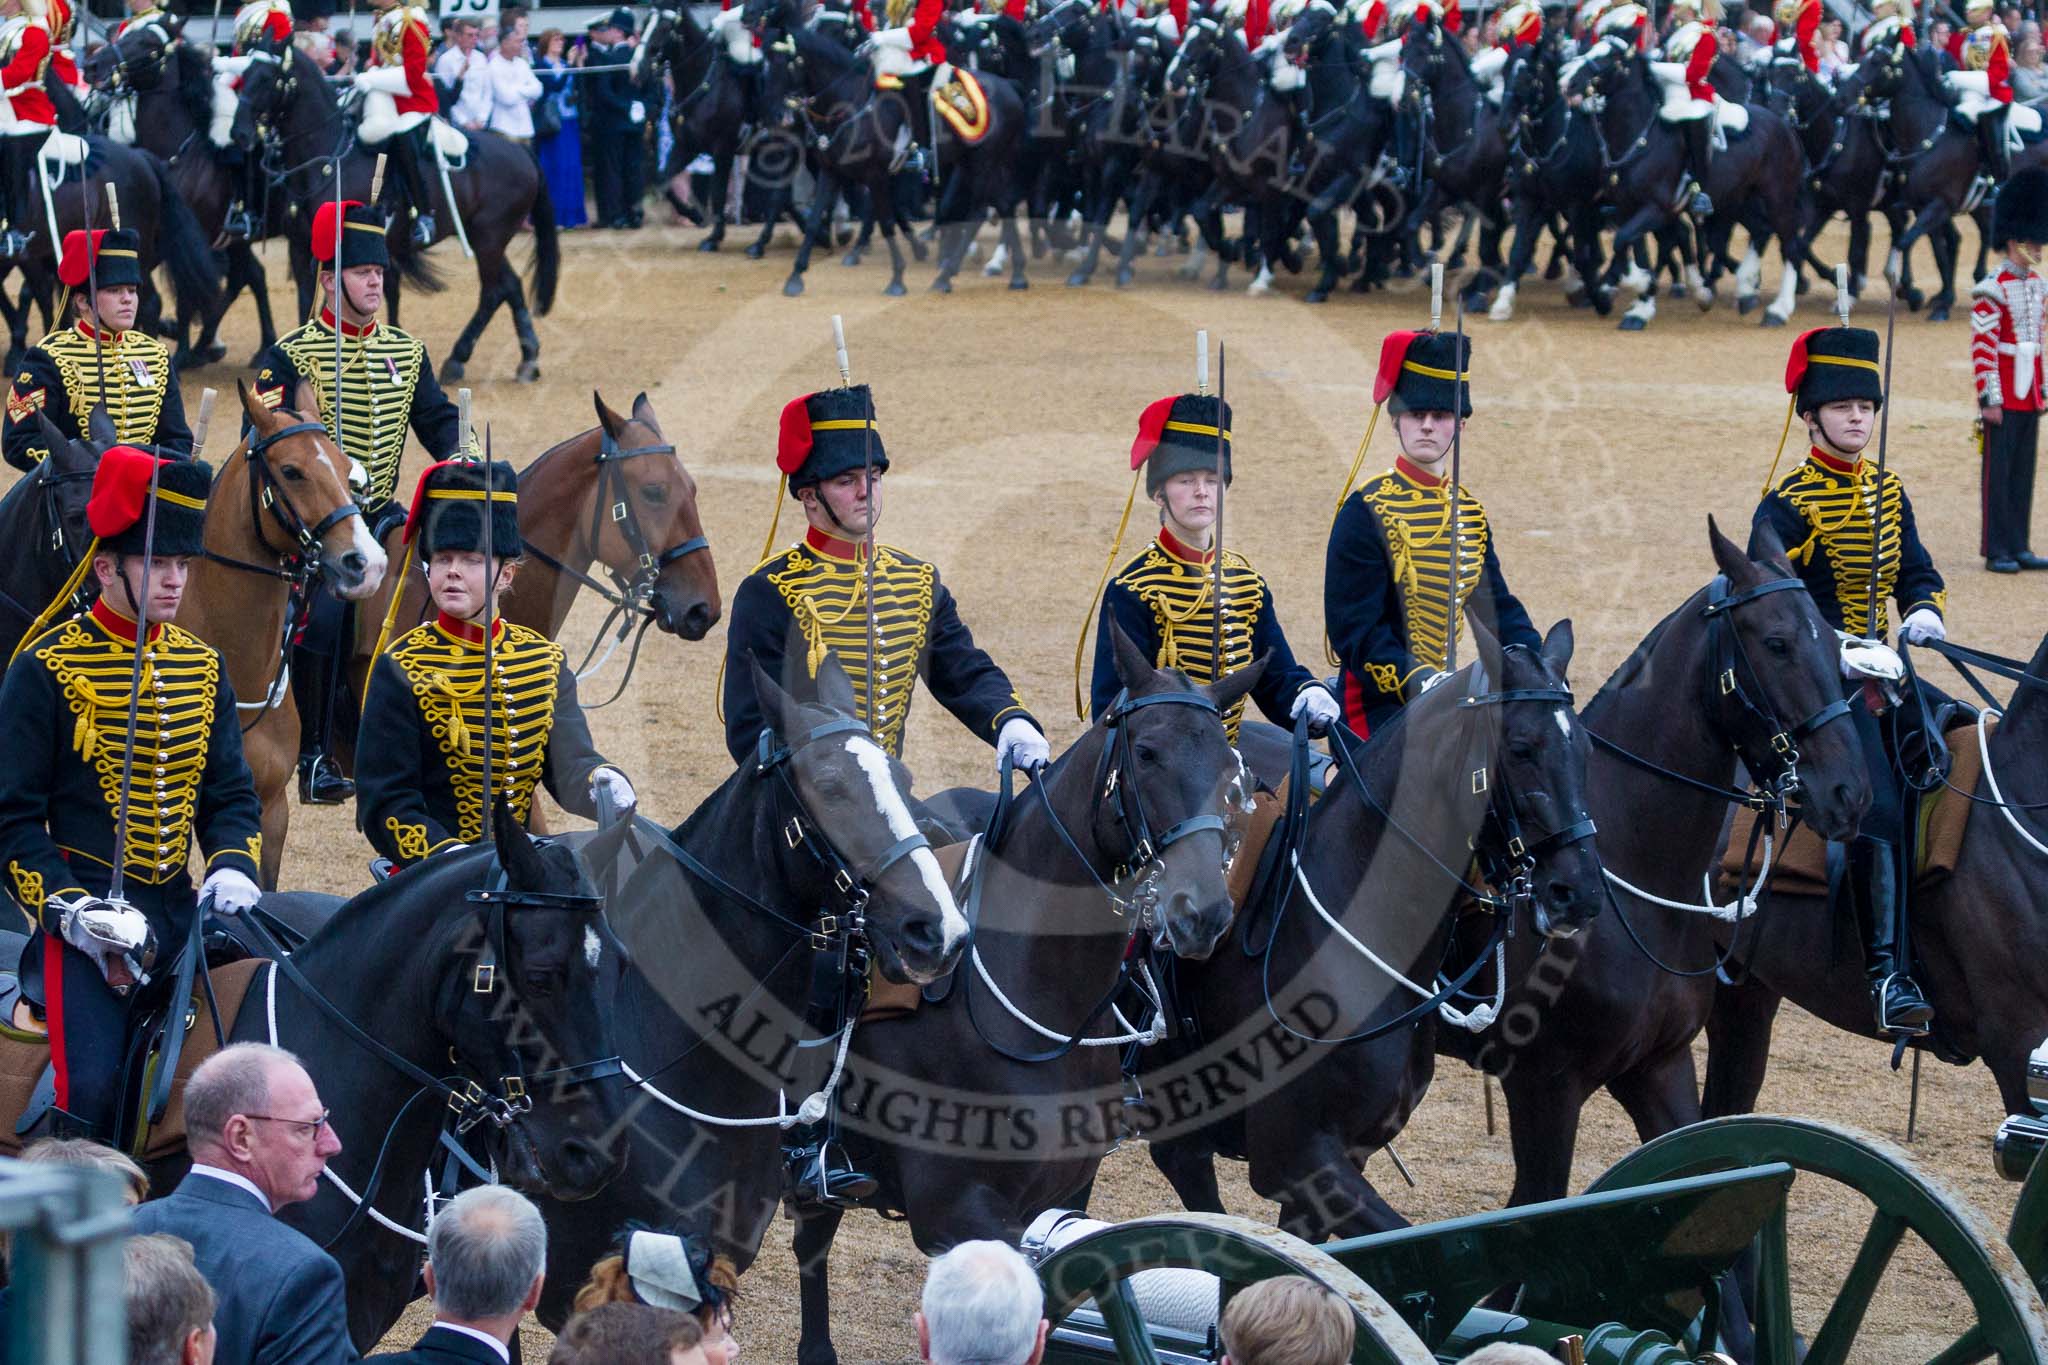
(1741, 908)
(1478, 1019)
(1984, 719)
(1152, 1033)
(274, 698)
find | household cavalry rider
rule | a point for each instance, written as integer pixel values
(101, 960)
(399, 102)
(1828, 513)
(1388, 599)
(811, 599)
(1984, 87)
(32, 52)
(1163, 599)
(1799, 30)
(420, 774)
(387, 385)
(263, 32)
(1686, 76)
(1888, 19)
(101, 356)
(141, 13)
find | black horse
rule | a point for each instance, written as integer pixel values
(1465, 144)
(498, 189)
(1298, 1056)
(978, 177)
(1250, 135)
(1554, 174)
(43, 517)
(170, 84)
(1620, 1006)
(1346, 137)
(984, 1107)
(1122, 148)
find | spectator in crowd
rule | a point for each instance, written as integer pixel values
(259, 1139)
(666, 1270)
(170, 1306)
(629, 1334)
(1289, 1320)
(487, 1253)
(514, 87)
(86, 1152)
(313, 37)
(1834, 52)
(2029, 74)
(464, 72)
(1939, 32)
(614, 122)
(982, 1306)
(1759, 34)
(560, 151)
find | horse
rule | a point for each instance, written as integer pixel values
(1554, 172)
(1465, 140)
(1249, 135)
(1119, 147)
(801, 867)
(1744, 666)
(1346, 138)
(43, 515)
(717, 100)
(616, 495)
(280, 522)
(1125, 835)
(1974, 935)
(1764, 165)
(978, 177)
(171, 84)
(1487, 762)
(498, 188)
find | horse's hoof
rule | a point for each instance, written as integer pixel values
(1078, 279)
(1745, 304)
(754, 251)
(1704, 298)
(1771, 319)
(794, 287)
(1677, 289)
(1123, 279)
(1020, 283)
(528, 372)
(895, 289)
(942, 285)
(708, 244)
(1912, 298)
(1603, 304)
(215, 354)
(1633, 324)
(1218, 285)
(851, 258)
(451, 370)
(1938, 313)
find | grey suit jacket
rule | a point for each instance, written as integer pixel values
(281, 1299)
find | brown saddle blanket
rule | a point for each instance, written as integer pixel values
(24, 1057)
(1800, 867)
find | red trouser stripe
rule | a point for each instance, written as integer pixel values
(1354, 705)
(53, 1006)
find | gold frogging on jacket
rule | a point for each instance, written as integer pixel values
(826, 594)
(1178, 593)
(1417, 523)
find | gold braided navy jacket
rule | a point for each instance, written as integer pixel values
(1824, 511)
(388, 385)
(60, 377)
(420, 755)
(1161, 598)
(63, 724)
(809, 600)
(1387, 588)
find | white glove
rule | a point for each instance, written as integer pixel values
(1432, 680)
(111, 933)
(1923, 624)
(613, 784)
(231, 889)
(1863, 658)
(230, 66)
(636, 112)
(1021, 743)
(1321, 707)
(389, 79)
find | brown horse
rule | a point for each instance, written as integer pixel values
(616, 495)
(280, 516)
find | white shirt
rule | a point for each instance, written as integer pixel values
(495, 1344)
(240, 1182)
(471, 76)
(514, 88)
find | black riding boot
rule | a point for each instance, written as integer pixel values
(820, 1172)
(1991, 144)
(15, 153)
(316, 680)
(413, 155)
(240, 224)
(1879, 894)
(1699, 161)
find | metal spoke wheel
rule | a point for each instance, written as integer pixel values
(2011, 1325)
(1237, 1251)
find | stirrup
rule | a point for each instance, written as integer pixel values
(238, 225)
(13, 242)
(1909, 1017)
(423, 230)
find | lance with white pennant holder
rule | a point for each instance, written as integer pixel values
(867, 467)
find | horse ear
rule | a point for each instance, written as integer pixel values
(835, 688)
(643, 411)
(99, 427)
(606, 418)
(306, 399)
(1225, 691)
(1767, 547)
(516, 852)
(1133, 669)
(785, 716)
(258, 414)
(1728, 557)
(1557, 647)
(1486, 650)
(53, 437)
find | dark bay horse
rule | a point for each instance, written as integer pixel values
(978, 178)
(498, 189)
(1977, 936)
(717, 102)
(1249, 136)
(1346, 137)
(1620, 1005)
(1554, 172)
(1120, 147)
(43, 517)
(977, 1111)
(1465, 154)
(171, 85)
(729, 922)
(1297, 1055)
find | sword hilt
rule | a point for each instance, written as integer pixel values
(1843, 302)
(114, 207)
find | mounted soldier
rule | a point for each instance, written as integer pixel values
(1389, 604)
(387, 385)
(80, 789)
(1888, 19)
(2007, 317)
(32, 52)
(1829, 513)
(399, 103)
(99, 358)
(1799, 30)
(1984, 87)
(888, 620)
(422, 756)
(263, 32)
(1686, 78)
(1164, 598)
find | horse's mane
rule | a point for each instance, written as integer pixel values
(815, 46)
(2027, 698)
(193, 76)
(1923, 63)
(1633, 667)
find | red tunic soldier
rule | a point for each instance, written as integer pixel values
(2007, 317)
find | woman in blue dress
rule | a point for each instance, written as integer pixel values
(560, 153)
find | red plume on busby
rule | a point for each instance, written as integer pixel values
(360, 229)
(116, 258)
(326, 224)
(1393, 351)
(828, 433)
(793, 438)
(120, 485)
(1795, 364)
(120, 497)
(1830, 364)
(1151, 426)
(72, 268)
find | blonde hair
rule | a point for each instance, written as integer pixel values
(1289, 1320)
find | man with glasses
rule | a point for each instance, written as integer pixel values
(259, 1139)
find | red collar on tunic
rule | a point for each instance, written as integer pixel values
(467, 632)
(120, 625)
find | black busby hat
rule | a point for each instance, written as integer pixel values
(115, 258)
(361, 234)
(118, 511)
(1830, 364)
(447, 509)
(1419, 371)
(1178, 434)
(825, 434)
(2020, 213)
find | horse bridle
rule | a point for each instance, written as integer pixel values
(1735, 679)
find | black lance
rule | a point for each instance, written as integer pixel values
(867, 465)
(1216, 654)
(140, 601)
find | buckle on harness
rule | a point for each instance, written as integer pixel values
(842, 882)
(1479, 781)
(822, 936)
(619, 511)
(1781, 743)
(1516, 849)
(793, 832)
(469, 1097)
(486, 977)
(515, 1089)
(1727, 682)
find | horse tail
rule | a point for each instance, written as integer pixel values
(546, 271)
(182, 245)
(412, 264)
